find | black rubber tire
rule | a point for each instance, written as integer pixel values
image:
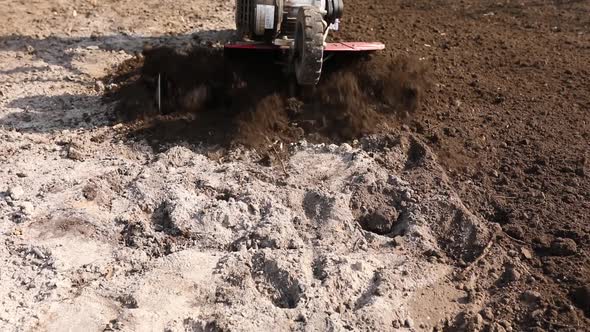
(334, 9)
(309, 45)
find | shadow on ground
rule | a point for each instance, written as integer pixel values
(221, 98)
(55, 50)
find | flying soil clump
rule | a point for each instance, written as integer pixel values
(219, 97)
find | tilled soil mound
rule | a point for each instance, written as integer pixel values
(233, 97)
(349, 238)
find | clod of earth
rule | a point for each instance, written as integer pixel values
(563, 247)
(581, 297)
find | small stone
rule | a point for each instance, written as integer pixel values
(396, 324)
(498, 328)
(537, 314)
(16, 192)
(27, 208)
(478, 321)
(563, 247)
(128, 301)
(30, 49)
(432, 253)
(21, 174)
(488, 313)
(398, 241)
(409, 323)
(581, 297)
(75, 154)
(99, 86)
(380, 221)
(358, 266)
(407, 195)
(345, 148)
(514, 231)
(38, 253)
(242, 247)
(511, 274)
(526, 253)
(332, 148)
(301, 317)
(36, 261)
(90, 191)
(531, 296)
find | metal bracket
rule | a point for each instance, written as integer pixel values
(159, 93)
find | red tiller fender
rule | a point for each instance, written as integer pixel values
(329, 47)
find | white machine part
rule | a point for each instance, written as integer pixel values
(300, 26)
(292, 6)
(267, 20)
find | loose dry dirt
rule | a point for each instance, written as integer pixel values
(440, 185)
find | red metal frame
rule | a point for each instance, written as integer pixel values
(354, 47)
(330, 47)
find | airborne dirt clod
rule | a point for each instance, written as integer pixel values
(232, 98)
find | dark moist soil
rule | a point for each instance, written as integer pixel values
(224, 98)
(508, 116)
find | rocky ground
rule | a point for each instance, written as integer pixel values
(471, 214)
